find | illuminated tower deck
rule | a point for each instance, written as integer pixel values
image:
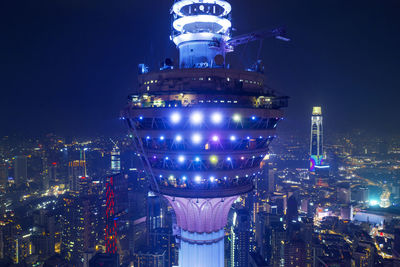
(202, 129)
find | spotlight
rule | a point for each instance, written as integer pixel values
(141, 118)
(196, 138)
(215, 138)
(233, 138)
(212, 179)
(197, 159)
(228, 159)
(236, 117)
(175, 117)
(162, 137)
(242, 158)
(253, 117)
(166, 158)
(197, 178)
(147, 137)
(181, 159)
(196, 118)
(214, 159)
(216, 118)
(178, 138)
(184, 178)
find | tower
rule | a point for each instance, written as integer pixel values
(202, 129)
(316, 144)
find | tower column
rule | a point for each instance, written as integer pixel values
(202, 222)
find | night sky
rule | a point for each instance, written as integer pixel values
(67, 66)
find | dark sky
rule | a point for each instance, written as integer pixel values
(67, 66)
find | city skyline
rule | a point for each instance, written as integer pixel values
(340, 52)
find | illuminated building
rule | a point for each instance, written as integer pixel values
(241, 244)
(111, 223)
(76, 170)
(20, 170)
(115, 159)
(201, 128)
(316, 144)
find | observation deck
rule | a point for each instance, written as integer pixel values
(203, 132)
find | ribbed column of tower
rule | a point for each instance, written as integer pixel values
(202, 223)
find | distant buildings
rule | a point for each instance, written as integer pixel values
(20, 170)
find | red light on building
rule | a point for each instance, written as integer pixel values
(111, 224)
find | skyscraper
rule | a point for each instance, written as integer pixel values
(201, 128)
(316, 144)
(76, 170)
(20, 169)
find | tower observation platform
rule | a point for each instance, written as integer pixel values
(202, 129)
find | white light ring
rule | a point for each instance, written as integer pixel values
(177, 7)
(200, 36)
(180, 23)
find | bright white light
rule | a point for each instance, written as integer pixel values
(196, 138)
(184, 178)
(175, 117)
(180, 23)
(236, 117)
(197, 159)
(147, 137)
(141, 118)
(212, 179)
(162, 137)
(177, 7)
(181, 159)
(197, 178)
(216, 118)
(178, 138)
(166, 158)
(233, 138)
(253, 118)
(228, 159)
(373, 202)
(196, 118)
(215, 138)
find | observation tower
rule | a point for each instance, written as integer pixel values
(202, 128)
(316, 144)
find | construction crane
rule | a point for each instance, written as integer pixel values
(278, 33)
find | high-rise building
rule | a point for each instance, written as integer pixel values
(115, 160)
(76, 170)
(20, 170)
(241, 244)
(3, 173)
(201, 128)
(316, 144)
